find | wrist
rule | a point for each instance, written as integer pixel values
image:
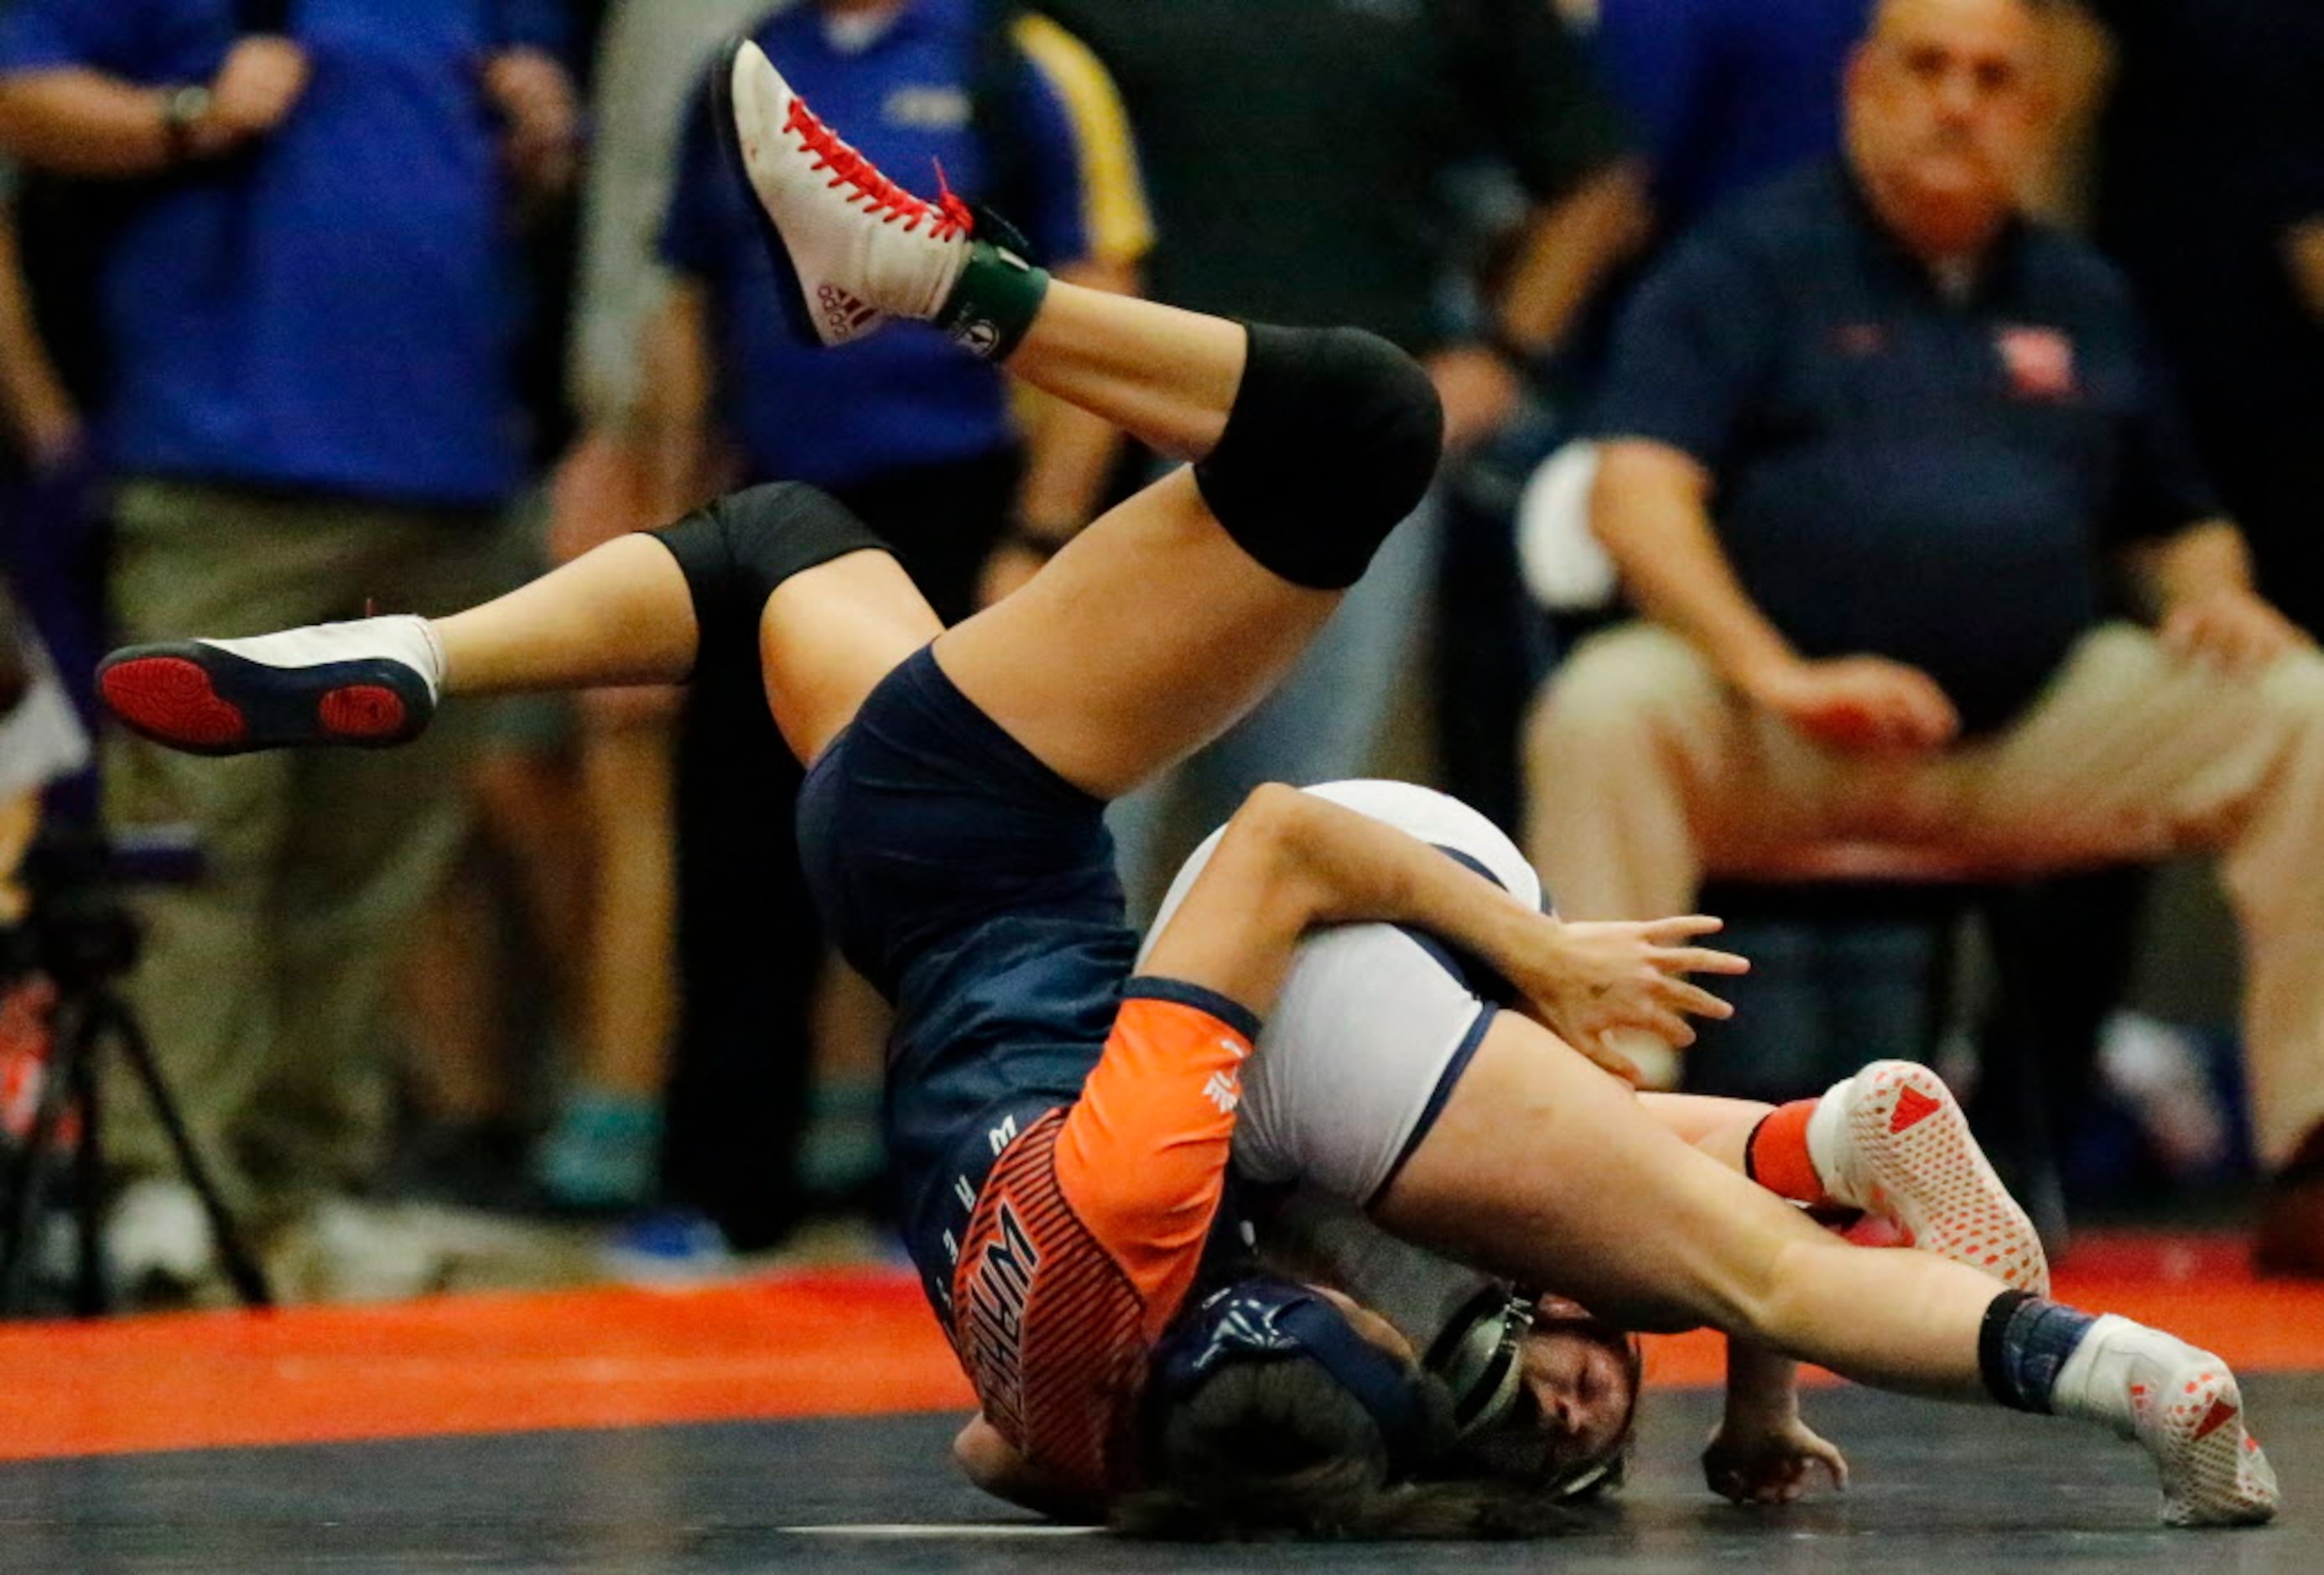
(186, 114)
(1531, 362)
(1044, 538)
(1756, 674)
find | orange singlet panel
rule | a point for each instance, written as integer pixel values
(1089, 1230)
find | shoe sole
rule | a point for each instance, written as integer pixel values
(791, 291)
(200, 700)
(1928, 1174)
(2214, 1472)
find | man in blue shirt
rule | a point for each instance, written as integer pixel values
(922, 442)
(1870, 442)
(308, 306)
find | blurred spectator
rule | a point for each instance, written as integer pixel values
(921, 443)
(1298, 155)
(603, 1149)
(307, 309)
(2211, 196)
(48, 545)
(1869, 439)
(1725, 93)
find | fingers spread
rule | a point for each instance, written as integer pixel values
(1702, 960)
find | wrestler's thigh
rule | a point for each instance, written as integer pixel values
(1543, 1168)
(828, 635)
(1144, 639)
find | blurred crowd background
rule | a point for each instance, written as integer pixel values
(320, 304)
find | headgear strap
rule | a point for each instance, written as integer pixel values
(1264, 1318)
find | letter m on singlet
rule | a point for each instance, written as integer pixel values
(1009, 1261)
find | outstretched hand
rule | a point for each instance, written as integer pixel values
(1772, 1465)
(1597, 979)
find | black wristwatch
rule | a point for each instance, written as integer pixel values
(182, 109)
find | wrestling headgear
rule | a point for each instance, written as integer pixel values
(1263, 1319)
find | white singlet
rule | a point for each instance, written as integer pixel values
(1373, 1024)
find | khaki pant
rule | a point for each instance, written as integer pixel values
(266, 987)
(1646, 770)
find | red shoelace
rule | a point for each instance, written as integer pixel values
(948, 216)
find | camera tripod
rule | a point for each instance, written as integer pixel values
(86, 947)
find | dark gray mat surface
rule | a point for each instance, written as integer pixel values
(1938, 1489)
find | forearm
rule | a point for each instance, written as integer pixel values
(1648, 509)
(31, 394)
(1353, 868)
(80, 121)
(670, 427)
(1291, 860)
(1568, 251)
(1763, 1387)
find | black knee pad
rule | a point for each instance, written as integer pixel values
(1333, 438)
(736, 550)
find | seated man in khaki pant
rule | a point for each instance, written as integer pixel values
(1872, 443)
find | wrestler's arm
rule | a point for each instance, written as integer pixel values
(1291, 860)
(1143, 1153)
(1000, 1468)
(1763, 1452)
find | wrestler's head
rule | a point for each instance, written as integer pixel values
(1544, 1393)
(1276, 1408)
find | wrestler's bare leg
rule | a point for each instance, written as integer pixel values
(1094, 665)
(1720, 1127)
(1150, 632)
(1639, 1224)
(1543, 1169)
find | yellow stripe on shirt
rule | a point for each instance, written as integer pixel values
(1113, 196)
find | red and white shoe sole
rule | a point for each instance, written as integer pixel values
(1926, 1173)
(204, 702)
(2214, 1472)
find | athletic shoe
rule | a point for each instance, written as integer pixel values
(2185, 1410)
(371, 683)
(1903, 1150)
(2190, 1418)
(856, 248)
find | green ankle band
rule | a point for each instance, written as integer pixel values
(994, 303)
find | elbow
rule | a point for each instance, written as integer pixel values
(1267, 839)
(20, 131)
(1639, 480)
(1270, 822)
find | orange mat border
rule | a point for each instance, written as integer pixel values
(793, 1345)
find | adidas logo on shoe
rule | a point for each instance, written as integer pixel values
(843, 313)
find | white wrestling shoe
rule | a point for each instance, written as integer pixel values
(370, 683)
(859, 248)
(1896, 1145)
(2185, 1410)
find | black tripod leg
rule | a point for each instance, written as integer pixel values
(249, 1279)
(90, 1297)
(71, 1046)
